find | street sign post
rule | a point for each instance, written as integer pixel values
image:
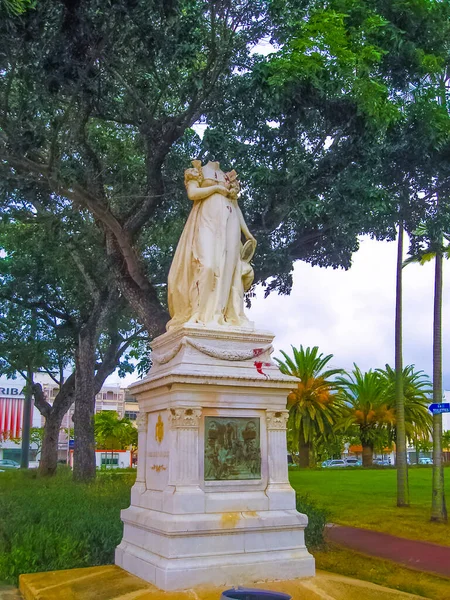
(436, 409)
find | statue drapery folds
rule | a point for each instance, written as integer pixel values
(211, 268)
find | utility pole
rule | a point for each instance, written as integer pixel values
(26, 421)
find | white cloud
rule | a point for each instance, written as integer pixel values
(350, 314)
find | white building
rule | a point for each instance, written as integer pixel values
(110, 397)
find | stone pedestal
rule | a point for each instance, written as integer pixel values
(212, 503)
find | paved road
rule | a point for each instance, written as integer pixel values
(422, 556)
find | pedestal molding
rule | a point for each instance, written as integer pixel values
(184, 417)
(277, 419)
(142, 422)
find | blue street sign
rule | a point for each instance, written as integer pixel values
(439, 408)
(71, 444)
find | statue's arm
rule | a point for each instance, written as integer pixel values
(245, 230)
(196, 193)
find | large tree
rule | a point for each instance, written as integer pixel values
(56, 275)
(88, 96)
(103, 120)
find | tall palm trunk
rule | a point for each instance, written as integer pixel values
(303, 451)
(438, 507)
(401, 457)
(367, 455)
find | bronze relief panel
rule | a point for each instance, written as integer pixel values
(232, 448)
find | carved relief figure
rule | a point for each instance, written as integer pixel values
(211, 268)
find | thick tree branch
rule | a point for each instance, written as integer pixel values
(40, 402)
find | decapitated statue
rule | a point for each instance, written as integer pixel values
(211, 268)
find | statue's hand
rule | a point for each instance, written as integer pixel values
(221, 189)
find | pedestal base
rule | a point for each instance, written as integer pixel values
(176, 552)
(212, 504)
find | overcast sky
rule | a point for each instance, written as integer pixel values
(350, 314)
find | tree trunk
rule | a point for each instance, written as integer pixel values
(438, 507)
(401, 457)
(53, 419)
(49, 450)
(303, 451)
(140, 294)
(83, 417)
(367, 455)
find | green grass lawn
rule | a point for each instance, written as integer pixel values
(53, 523)
(367, 498)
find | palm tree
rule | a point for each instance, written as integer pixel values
(313, 405)
(417, 389)
(437, 250)
(401, 460)
(366, 406)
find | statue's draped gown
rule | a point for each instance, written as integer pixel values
(205, 279)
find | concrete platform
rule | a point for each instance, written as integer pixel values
(113, 583)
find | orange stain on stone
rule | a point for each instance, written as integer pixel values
(229, 520)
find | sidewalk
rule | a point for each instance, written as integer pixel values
(422, 556)
(8, 592)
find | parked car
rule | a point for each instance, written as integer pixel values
(382, 462)
(353, 462)
(5, 463)
(425, 461)
(337, 463)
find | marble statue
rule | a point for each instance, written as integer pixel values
(211, 268)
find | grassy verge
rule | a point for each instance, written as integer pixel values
(382, 572)
(53, 523)
(367, 498)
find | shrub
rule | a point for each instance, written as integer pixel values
(317, 519)
(53, 523)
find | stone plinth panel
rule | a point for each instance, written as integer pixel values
(212, 503)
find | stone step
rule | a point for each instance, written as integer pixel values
(113, 583)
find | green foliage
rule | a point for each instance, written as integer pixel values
(339, 59)
(50, 524)
(422, 445)
(112, 433)
(364, 395)
(317, 520)
(15, 8)
(313, 404)
(417, 390)
(36, 437)
(446, 441)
